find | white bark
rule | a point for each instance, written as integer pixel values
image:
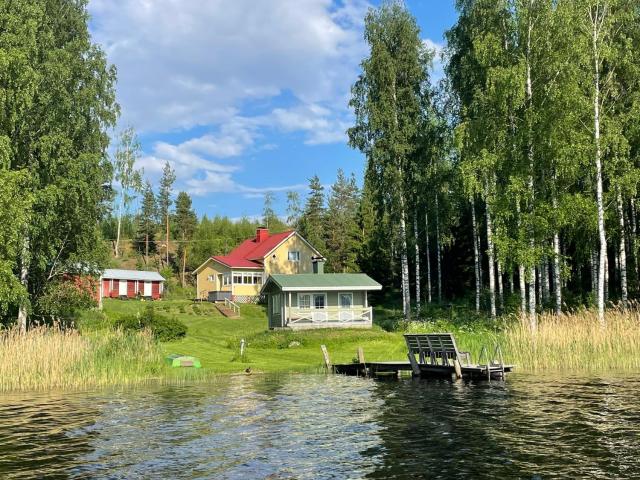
(521, 274)
(23, 315)
(533, 318)
(622, 254)
(500, 286)
(428, 254)
(404, 263)
(557, 284)
(438, 252)
(545, 281)
(596, 23)
(117, 245)
(490, 254)
(632, 238)
(417, 243)
(476, 254)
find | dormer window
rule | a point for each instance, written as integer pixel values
(294, 256)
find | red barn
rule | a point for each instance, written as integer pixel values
(117, 283)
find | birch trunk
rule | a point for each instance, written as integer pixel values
(511, 283)
(426, 226)
(623, 254)
(557, 284)
(533, 318)
(521, 274)
(476, 254)
(545, 281)
(594, 273)
(23, 315)
(492, 280)
(438, 252)
(598, 161)
(404, 263)
(500, 285)
(117, 245)
(533, 321)
(417, 242)
(632, 239)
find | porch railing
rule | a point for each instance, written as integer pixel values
(232, 305)
(329, 315)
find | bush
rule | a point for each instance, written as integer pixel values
(163, 328)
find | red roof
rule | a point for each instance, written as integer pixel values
(250, 253)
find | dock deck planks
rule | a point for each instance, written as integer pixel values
(426, 370)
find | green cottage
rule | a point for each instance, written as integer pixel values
(319, 300)
(176, 360)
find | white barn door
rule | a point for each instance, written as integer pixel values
(122, 287)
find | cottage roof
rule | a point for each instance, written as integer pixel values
(323, 282)
(144, 275)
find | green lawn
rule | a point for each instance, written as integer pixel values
(215, 339)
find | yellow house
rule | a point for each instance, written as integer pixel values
(239, 275)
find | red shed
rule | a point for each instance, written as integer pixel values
(118, 283)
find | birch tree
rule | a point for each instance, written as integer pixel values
(387, 103)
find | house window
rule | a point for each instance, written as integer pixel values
(210, 278)
(247, 278)
(226, 279)
(257, 278)
(294, 256)
(346, 300)
(319, 300)
(275, 304)
(237, 278)
(304, 301)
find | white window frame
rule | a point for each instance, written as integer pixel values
(298, 295)
(275, 304)
(211, 278)
(257, 279)
(313, 301)
(297, 256)
(226, 279)
(350, 294)
(234, 275)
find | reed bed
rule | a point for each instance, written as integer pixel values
(49, 357)
(576, 342)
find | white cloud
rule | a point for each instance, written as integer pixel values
(437, 48)
(188, 63)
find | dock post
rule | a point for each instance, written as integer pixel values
(325, 354)
(361, 361)
(458, 369)
(414, 364)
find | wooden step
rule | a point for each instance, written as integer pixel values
(227, 312)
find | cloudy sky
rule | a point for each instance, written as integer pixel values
(243, 96)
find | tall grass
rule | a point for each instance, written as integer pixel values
(45, 358)
(576, 342)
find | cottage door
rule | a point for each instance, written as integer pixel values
(147, 289)
(346, 307)
(122, 288)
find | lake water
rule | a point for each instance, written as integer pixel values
(315, 427)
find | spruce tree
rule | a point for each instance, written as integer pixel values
(145, 241)
(185, 221)
(312, 222)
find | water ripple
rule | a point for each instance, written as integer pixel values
(322, 427)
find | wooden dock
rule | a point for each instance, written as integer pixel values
(394, 368)
(429, 355)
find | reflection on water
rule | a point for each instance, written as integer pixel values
(313, 426)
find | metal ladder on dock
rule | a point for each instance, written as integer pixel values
(491, 362)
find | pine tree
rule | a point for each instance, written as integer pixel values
(312, 223)
(342, 235)
(185, 221)
(145, 241)
(164, 202)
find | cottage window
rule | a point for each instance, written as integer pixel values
(226, 279)
(275, 304)
(304, 301)
(210, 278)
(294, 256)
(237, 278)
(247, 278)
(319, 300)
(346, 300)
(257, 278)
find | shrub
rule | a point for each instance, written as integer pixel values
(163, 328)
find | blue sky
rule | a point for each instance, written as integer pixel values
(243, 96)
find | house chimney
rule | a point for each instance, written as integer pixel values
(318, 265)
(262, 234)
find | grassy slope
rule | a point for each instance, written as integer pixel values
(216, 339)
